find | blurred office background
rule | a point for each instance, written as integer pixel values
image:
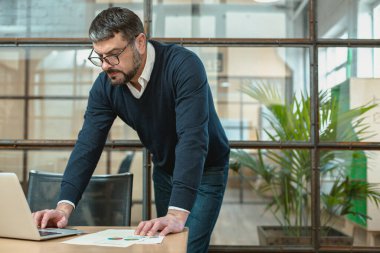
(299, 47)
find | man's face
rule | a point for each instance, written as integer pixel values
(129, 59)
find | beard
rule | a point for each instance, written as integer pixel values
(126, 76)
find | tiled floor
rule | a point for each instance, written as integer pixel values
(237, 223)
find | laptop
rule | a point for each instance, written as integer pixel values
(16, 219)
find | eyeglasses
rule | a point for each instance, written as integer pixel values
(112, 59)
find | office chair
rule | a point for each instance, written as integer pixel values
(106, 201)
(125, 165)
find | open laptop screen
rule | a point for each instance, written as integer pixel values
(16, 219)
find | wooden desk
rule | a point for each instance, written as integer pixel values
(172, 243)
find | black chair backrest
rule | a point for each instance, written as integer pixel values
(107, 200)
(125, 165)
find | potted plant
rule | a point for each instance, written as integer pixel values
(286, 173)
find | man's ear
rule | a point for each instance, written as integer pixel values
(140, 43)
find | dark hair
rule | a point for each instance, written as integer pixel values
(114, 20)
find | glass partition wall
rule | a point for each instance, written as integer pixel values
(294, 83)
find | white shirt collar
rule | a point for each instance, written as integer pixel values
(147, 72)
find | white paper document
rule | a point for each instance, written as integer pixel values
(115, 238)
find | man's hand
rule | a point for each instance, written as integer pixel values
(58, 217)
(173, 222)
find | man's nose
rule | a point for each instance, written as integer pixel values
(106, 65)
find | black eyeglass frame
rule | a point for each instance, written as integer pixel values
(102, 59)
(93, 59)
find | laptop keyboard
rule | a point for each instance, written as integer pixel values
(45, 233)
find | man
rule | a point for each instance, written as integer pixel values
(162, 92)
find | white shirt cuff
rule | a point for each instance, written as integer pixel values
(67, 202)
(179, 209)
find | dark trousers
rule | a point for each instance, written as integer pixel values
(205, 211)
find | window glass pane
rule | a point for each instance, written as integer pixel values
(11, 161)
(236, 73)
(46, 18)
(55, 119)
(357, 19)
(349, 80)
(121, 131)
(129, 161)
(11, 119)
(56, 161)
(345, 205)
(281, 178)
(49, 161)
(53, 71)
(12, 71)
(224, 19)
(132, 161)
(61, 72)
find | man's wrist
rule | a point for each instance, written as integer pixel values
(181, 215)
(65, 208)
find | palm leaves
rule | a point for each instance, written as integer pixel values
(287, 172)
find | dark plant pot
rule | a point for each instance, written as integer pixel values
(277, 235)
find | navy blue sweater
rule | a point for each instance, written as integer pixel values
(175, 119)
